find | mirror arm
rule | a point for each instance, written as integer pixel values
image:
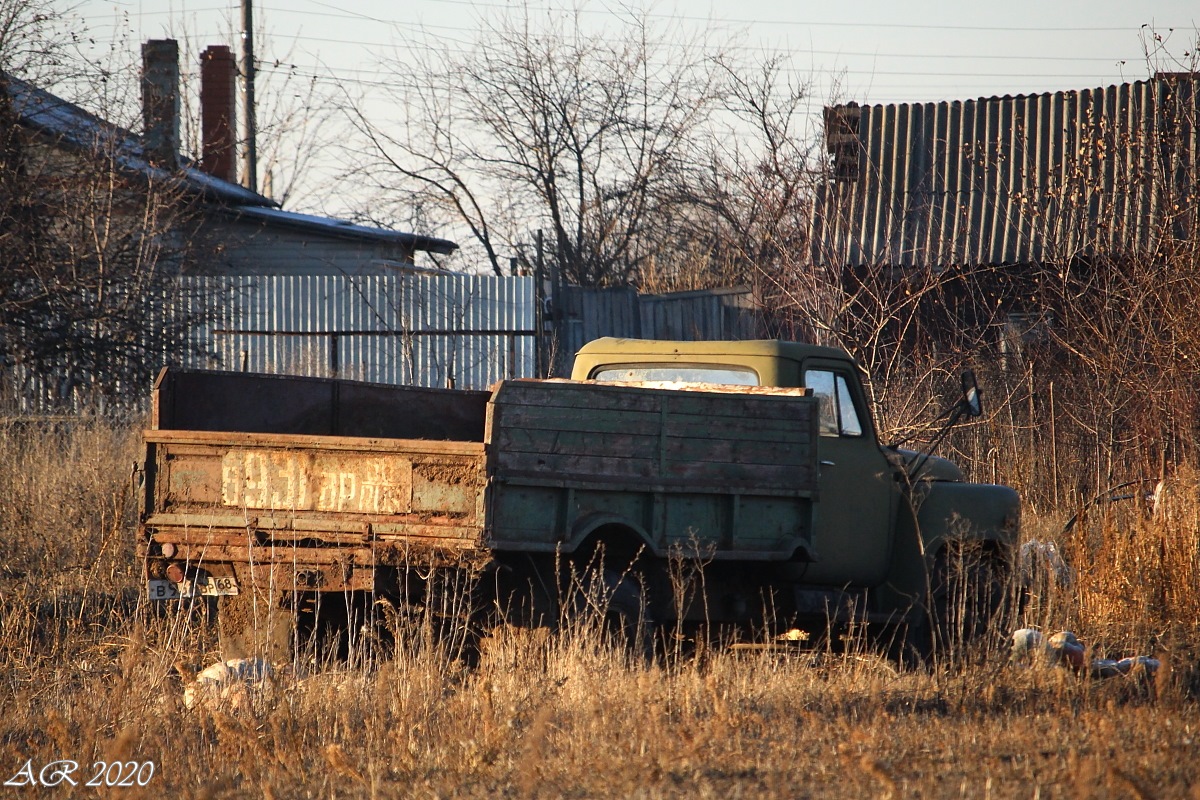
(920, 462)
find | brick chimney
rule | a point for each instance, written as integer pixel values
(218, 88)
(160, 102)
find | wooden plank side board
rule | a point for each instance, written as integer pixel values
(363, 478)
(541, 479)
(594, 406)
(586, 431)
(599, 396)
(759, 407)
(699, 476)
(607, 422)
(767, 450)
(583, 420)
(549, 393)
(725, 451)
(576, 466)
(740, 428)
(524, 439)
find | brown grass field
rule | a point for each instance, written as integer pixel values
(86, 674)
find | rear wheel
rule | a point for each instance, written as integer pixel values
(627, 620)
(616, 602)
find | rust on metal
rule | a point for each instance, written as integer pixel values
(208, 439)
(305, 481)
(283, 527)
(391, 553)
(457, 537)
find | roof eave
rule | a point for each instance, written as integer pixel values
(346, 232)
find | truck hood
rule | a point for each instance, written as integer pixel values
(936, 468)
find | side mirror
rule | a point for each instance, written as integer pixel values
(971, 404)
(972, 401)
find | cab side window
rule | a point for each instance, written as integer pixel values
(838, 417)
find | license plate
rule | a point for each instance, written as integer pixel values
(207, 586)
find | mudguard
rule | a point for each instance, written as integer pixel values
(941, 513)
(968, 512)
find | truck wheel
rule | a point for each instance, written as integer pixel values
(628, 619)
(252, 624)
(911, 644)
(619, 597)
(966, 593)
(967, 589)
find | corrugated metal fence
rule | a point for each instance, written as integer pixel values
(440, 331)
(714, 314)
(457, 331)
(448, 330)
(1012, 180)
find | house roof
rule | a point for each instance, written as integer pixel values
(66, 122)
(1011, 180)
(337, 228)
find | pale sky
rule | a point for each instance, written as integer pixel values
(872, 51)
(885, 51)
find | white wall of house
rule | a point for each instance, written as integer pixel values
(255, 247)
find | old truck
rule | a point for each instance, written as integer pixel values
(749, 471)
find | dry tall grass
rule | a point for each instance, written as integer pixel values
(86, 674)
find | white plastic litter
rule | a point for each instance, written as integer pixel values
(1039, 560)
(1031, 647)
(234, 684)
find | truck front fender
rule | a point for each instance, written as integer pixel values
(941, 513)
(968, 512)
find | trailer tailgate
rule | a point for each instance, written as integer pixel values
(227, 498)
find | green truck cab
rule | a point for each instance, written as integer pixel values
(751, 471)
(882, 537)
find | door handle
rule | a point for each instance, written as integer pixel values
(827, 463)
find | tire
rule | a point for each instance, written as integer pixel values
(967, 593)
(911, 643)
(628, 619)
(616, 603)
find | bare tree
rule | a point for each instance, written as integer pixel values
(739, 209)
(89, 245)
(35, 41)
(434, 164)
(573, 132)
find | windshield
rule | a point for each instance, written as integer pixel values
(677, 373)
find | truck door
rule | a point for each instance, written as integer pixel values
(854, 512)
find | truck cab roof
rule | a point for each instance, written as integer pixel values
(774, 362)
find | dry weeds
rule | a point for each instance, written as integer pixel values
(86, 673)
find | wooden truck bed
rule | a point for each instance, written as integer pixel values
(306, 483)
(272, 480)
(298, 487)
(730, 471)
